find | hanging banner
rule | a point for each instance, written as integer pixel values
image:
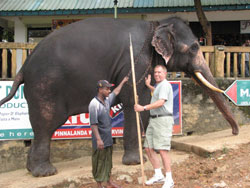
(15, 124)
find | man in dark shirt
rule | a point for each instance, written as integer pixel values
(102, 141)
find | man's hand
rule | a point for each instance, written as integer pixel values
(147, 83)
(138, 108)
(100, 144)
(125, 79)
(148, 80)
(119, 87)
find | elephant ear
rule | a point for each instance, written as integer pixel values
(163, 41)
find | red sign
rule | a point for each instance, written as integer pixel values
(231, 92)
(78, 126)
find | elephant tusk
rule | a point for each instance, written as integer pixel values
(206, 83)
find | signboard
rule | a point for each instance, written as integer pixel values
(239, 92)
(78, 126)
(177, 111)
(245, 26)
(15, 124)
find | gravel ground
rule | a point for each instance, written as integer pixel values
(229, 168)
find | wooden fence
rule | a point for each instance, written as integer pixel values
(223, 61)
(226, 61)
(8, 60)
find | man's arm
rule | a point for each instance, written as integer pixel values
(100, 144)
(156, 104)
(119, 87)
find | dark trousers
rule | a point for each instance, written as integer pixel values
(102, 164)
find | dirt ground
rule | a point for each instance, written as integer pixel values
(229, 168)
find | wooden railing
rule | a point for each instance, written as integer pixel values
(223, 61)
(10, 49)
(226, 61)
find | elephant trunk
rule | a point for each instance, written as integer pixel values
(216, 95)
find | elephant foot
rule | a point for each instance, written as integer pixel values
(42, 170)
(132, 157)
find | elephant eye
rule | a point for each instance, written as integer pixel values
(194, 47)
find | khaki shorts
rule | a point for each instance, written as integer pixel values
(159, 133)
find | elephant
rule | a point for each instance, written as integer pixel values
(60, 75)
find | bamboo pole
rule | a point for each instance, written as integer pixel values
(137, 113)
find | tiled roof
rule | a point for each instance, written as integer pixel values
(8, 6)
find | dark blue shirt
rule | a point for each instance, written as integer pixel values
(99, 114)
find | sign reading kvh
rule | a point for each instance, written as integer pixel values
(239, 92)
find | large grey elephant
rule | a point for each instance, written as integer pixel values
(60, 75)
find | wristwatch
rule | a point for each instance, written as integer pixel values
(144, 107)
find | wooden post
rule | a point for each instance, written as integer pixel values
(235, 65)
(24, 56)
(242, 65)
(13, 60)
(219, 57)
(4, 63)
(228, 64)
(137, 113)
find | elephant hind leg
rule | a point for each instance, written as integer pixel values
(38, 162)
(44, 122)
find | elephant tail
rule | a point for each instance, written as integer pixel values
(17, 82)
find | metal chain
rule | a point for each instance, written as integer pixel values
(147, 40)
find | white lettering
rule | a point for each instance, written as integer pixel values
(84, 119)
(117, 131)
(116, 108)
(71, 133)
(244, 92)
(73, 119)
(245, 103)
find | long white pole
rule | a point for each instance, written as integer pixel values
(137, 113)
(115, 9)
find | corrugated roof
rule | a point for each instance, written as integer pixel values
(86, 5)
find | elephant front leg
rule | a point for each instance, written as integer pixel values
(130, 139)
(38, 162)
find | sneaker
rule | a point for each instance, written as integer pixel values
(155, 179)
(168, 184)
